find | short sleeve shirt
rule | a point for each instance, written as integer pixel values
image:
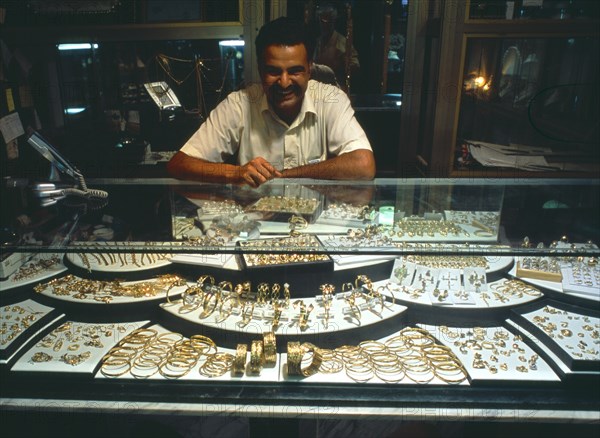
(244, 125)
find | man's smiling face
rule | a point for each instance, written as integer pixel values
(285, 73)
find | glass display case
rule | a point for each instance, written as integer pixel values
(402, 299)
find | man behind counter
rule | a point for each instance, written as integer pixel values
(291, 127)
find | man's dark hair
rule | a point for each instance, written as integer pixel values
(284, 31)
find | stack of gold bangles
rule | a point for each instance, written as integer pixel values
(145, 352)
(413, 353)
(295, 355)
(263, 353)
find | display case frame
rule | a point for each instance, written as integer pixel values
(140, 211)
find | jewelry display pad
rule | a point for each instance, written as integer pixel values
(338, 242)
(462, 232)
(412, 283)
(342, 316)
(582, 277)
(552, 286)
(283, 228)
(493, 354)
(103, 261)
(71, 339)
(571, 332)
(267, 374)
(281, 208)
(479, 224)
(343, 377)
(42, 266)
(558, 365)
(185, 228)
(540, 268)
(94, 294)
(347, 215)
(225, 261)
(577, 276)
(210, 209)
(19, 322)
(305, 242)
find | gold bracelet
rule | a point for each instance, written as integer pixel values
(257, 357)
(316, 361)
(263, 293)
(276, 316)
(217, 365)
(239, 363)
(247, 313)
(208, 297)
(201, 344)
(223, 315)
(294, 359)
(115, 367)
(203, 278)
(270, 348)
(275, 290)
(191, 299)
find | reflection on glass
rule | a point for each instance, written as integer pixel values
(526, 98)
(533, 9)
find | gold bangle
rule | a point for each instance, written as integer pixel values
(201, 344)
(226, 285)
(380, 289)
(177, 282)
(263, 293)
(205, 305)
(275, 289)
(276, 316)
(169, 338)
(247, 313)
(354, 307)
(316, 361)
(286, 295)
(239, 363)
(224, 315)
(203, 278)
(359, 373)
(115, 366)
(217, 365)
(190, 299)
(294, 359)
(270, 348)
(257, 357)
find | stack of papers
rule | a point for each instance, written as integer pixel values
(514, 156)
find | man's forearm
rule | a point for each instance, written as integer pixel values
(183, 166)
(356, 165)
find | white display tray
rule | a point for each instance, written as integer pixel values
(25, 363)
(11, 282)
(8, 318)
(340, 319)
(474, 301)
(554, 286)
(543, 373)
(576, 325)
(564, 368)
